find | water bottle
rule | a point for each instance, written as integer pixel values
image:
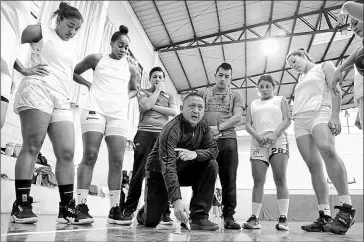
(39, 180)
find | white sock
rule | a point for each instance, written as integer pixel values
(81, 195)
(345, 199)
(283, 205)
(325, 208)
(114, 198)
(256, 209)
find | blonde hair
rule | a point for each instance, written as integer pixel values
(300, 52)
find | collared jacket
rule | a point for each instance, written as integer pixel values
(179, 133)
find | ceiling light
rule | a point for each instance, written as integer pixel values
(270, 46)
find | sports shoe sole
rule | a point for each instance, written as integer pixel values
(282, 227)
(31, 220)
(341, 232)
(206, 228)
(119, 222)
(166, 223)
(247, 226)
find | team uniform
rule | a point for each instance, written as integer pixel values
(312, 104)
(106, 107)
(266, 116)
(50, 93)
(13, 21)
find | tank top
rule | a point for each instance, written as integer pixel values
(266, 115)
(311, 92)
(60, 57)
(109, 90)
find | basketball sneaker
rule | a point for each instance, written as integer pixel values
(282, 223)
(343, 220)
(252, 223)
(319, 224)
(22, 212)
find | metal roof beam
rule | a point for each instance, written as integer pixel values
(289, 42)
(268, 32)
(329, 44)
(194, 34)
(249, 27)
(280, 27)
(170, 41)
(221, 34)
(316, 25)
(307, 23)
(328, 21)
(245, 59)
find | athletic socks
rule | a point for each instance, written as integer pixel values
(283, 205)
(325, 208)
(22, 190)
(256, 209)
(114, 198)
(345, 199)
(82, 195)
(65, 193)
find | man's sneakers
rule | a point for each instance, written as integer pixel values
(319, 224)
(201, 224)
(22, 212)
(166, 219)
(69, 214)
(343, 220)
(229, 223)
(116, 216)
(282, 223)
(252, 223)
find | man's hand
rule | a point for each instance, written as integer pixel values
(160, 87)
(185, 154)
(214, 130)
(181, 212)
(335, 125)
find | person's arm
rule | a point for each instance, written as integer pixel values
(334, 123)
(349, 62)
(39, 69)
(248, 126)
(237, 113)
(133, 78)
(146, 103)
(171, 110)
(32, 34)
(168, 140)
(352, 8)
(89, 62)
(286, 115)
(208, 149)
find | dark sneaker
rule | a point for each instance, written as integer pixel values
(319, 224)
(252, 223)
(22, 212)
(116, 217)
(343, 220)
(70, 215)
(201, 224)
(85, 217)
(166, 220)
(282, 223)
(139, 217)
(229, 223)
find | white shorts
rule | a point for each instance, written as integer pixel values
(305, 122)
(35, 96)
(97, 122)
(6, 82)
(279, 147)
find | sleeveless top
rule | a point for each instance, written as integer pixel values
(311, 92)
(109, 91)
(59, 55)
(266, 115)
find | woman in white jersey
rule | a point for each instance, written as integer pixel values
(316, 123)
(266, 121)
(44, 108)
(14, 19)
(105, 114)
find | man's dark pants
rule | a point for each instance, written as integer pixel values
(200, 175)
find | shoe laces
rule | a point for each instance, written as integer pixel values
(27, 204)
(282, 219)
(252, 218)
(83, 208)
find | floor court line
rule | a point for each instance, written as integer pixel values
(63, 231)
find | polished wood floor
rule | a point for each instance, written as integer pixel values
(48, 230)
